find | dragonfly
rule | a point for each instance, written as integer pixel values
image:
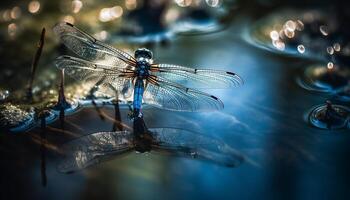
(152, 83)
(95, 148)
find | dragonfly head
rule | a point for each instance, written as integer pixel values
(143, 53)
(144, 61)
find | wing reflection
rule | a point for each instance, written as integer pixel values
(92, 149)
(180, 142)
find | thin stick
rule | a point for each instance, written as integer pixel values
(35, 62)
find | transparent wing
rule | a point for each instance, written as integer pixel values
(87, 71)
(179, 142)
(171, 96)
(93, 149)
(87, 47)
(197, 78)
(123, 90)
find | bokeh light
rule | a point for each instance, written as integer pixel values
(34, 6)
(16, 12)
(108, 14)
(130, 4)
(183, 3)
(69, 19)
(76, 6)
(12, 30)
(213, 3)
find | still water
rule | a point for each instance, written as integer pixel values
(264, 120)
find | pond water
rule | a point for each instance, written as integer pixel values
(265, 120)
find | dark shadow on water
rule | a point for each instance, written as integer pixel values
(43, 149)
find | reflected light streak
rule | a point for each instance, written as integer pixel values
(324, 30)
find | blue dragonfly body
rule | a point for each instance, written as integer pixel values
(154, 84)
(138, 94)
(143, 57)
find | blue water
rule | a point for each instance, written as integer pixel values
(285, 158)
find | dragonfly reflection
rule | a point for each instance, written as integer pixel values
(93, 149)
(151, 83)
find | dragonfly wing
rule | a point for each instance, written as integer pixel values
(197, 78)
(123, 90)
(93, 149)
(184, 143)
(164, 94)
(87, 47)
(92, 73)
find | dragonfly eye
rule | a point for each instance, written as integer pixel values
(143, 52)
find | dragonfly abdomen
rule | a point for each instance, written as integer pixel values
(138, 95)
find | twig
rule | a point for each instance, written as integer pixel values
(35, 64)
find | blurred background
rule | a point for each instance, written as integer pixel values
(292, 55)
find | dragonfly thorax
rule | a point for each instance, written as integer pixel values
(142, 69)
(144, 60)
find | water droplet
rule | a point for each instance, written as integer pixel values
(330, 65)
(301, 48)
(290, 25)
(279, 44)
(329, 116)
(324, 30)
(299, 25)
(274, 35)
(325, 79)
(289, 33)
(336, 47)
(330, 50)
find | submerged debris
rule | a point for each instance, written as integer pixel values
(14, 118)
